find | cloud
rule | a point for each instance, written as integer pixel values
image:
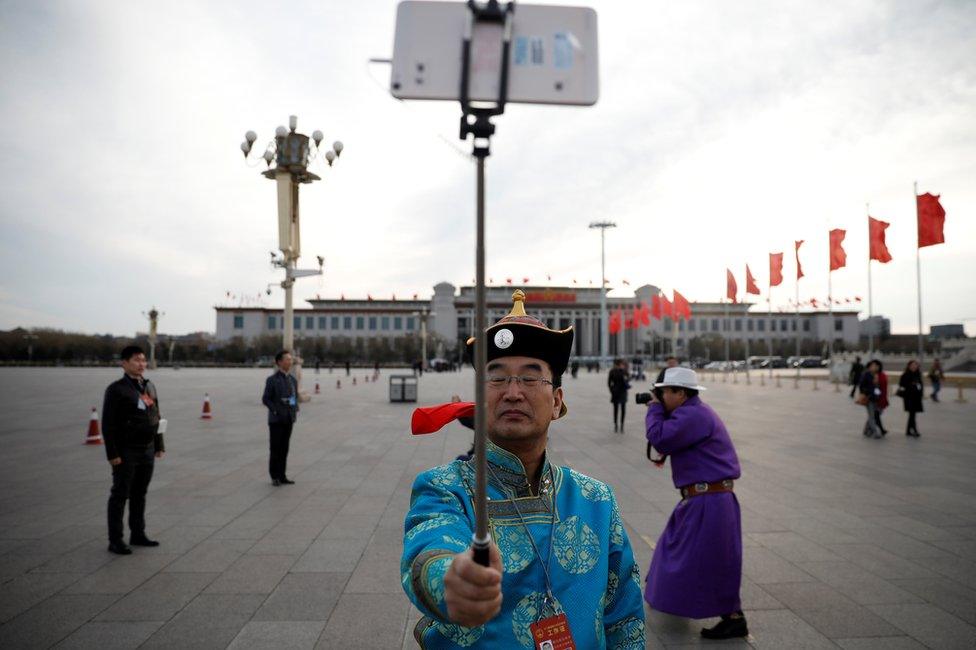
(723, 132)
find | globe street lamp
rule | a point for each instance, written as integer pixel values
(291, 152)
(604, 336)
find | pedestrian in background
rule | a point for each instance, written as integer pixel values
(281, 399)
(618, 384)
(130, 429)
(857, 369)
(882, 398)
(696, 571)
(910, 390)
(936, 376)
(670, 362)
(870, 392)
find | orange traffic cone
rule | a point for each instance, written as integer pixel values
(206, 414)
(94, 431)
(317, 391)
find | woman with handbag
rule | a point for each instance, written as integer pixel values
(910, 391)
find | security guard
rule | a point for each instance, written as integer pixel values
(281, 398)
(130, 428)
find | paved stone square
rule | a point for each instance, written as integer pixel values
(849, 542)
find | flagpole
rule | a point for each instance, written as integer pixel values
(830, 320)
(918, 279)
(728, 333)
(867, 209)
(798, 328)
(769, 324)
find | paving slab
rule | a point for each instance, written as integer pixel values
(849, 542)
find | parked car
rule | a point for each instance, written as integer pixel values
(776, 362)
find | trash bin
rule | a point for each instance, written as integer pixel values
(403, 388)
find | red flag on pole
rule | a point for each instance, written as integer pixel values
(751, 286)
(838, 258)
(681, 306)
(931, 219)
(775, 269)
(666, 308)
(731, 288)
(878, 249)
(799, 269)
(656, 309)
(645, 314)
(614, 324)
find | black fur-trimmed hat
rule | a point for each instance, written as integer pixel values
(521, 335)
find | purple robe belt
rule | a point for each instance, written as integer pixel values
(698, 489)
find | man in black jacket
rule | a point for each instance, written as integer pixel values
(130, 428)
(281, 398)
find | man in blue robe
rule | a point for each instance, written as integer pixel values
(558, 549)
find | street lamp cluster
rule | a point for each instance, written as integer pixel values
(292, 152)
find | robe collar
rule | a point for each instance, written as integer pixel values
(509, 469)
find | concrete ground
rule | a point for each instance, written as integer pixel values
(850, 542)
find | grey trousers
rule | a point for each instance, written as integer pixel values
(871, 426)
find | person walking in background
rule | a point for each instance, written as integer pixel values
(857, 369)
(281, 399)
(882, 398)
(618, 384)
(130, 427)
(910, 391)
(870, 392)
(696, 571)
(670, 362)
(936, 376)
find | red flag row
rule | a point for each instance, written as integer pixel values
(931, 222)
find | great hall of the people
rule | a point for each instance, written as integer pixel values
(450, 314)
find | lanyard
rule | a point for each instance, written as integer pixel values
(549, 598)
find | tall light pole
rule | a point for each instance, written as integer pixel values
(604, 332)
(30, 337)
(423, 314)
(153, 316)
(291, 153)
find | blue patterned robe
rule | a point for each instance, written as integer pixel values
(594, 577)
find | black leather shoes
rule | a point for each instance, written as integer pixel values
(119, 548)
(730, 627)
(287, 481)
(142, 540)
(275, 482)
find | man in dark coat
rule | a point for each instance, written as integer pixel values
(857, 369)
(281, 398)
(130, 428)
(619, 385)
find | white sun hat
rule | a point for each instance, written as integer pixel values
(680, 378)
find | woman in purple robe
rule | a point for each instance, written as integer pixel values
(697, 567)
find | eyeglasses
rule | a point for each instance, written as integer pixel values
(502, 381)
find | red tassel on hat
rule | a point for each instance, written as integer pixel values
(428, 419)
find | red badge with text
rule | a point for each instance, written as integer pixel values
(147, 400)
(552, 634)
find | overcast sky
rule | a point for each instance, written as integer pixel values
(724, 131)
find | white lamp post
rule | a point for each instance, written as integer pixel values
(604, 331)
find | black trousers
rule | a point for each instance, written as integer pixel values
(622, 406)
(130, 480)
(911, 422)
(278, 457)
